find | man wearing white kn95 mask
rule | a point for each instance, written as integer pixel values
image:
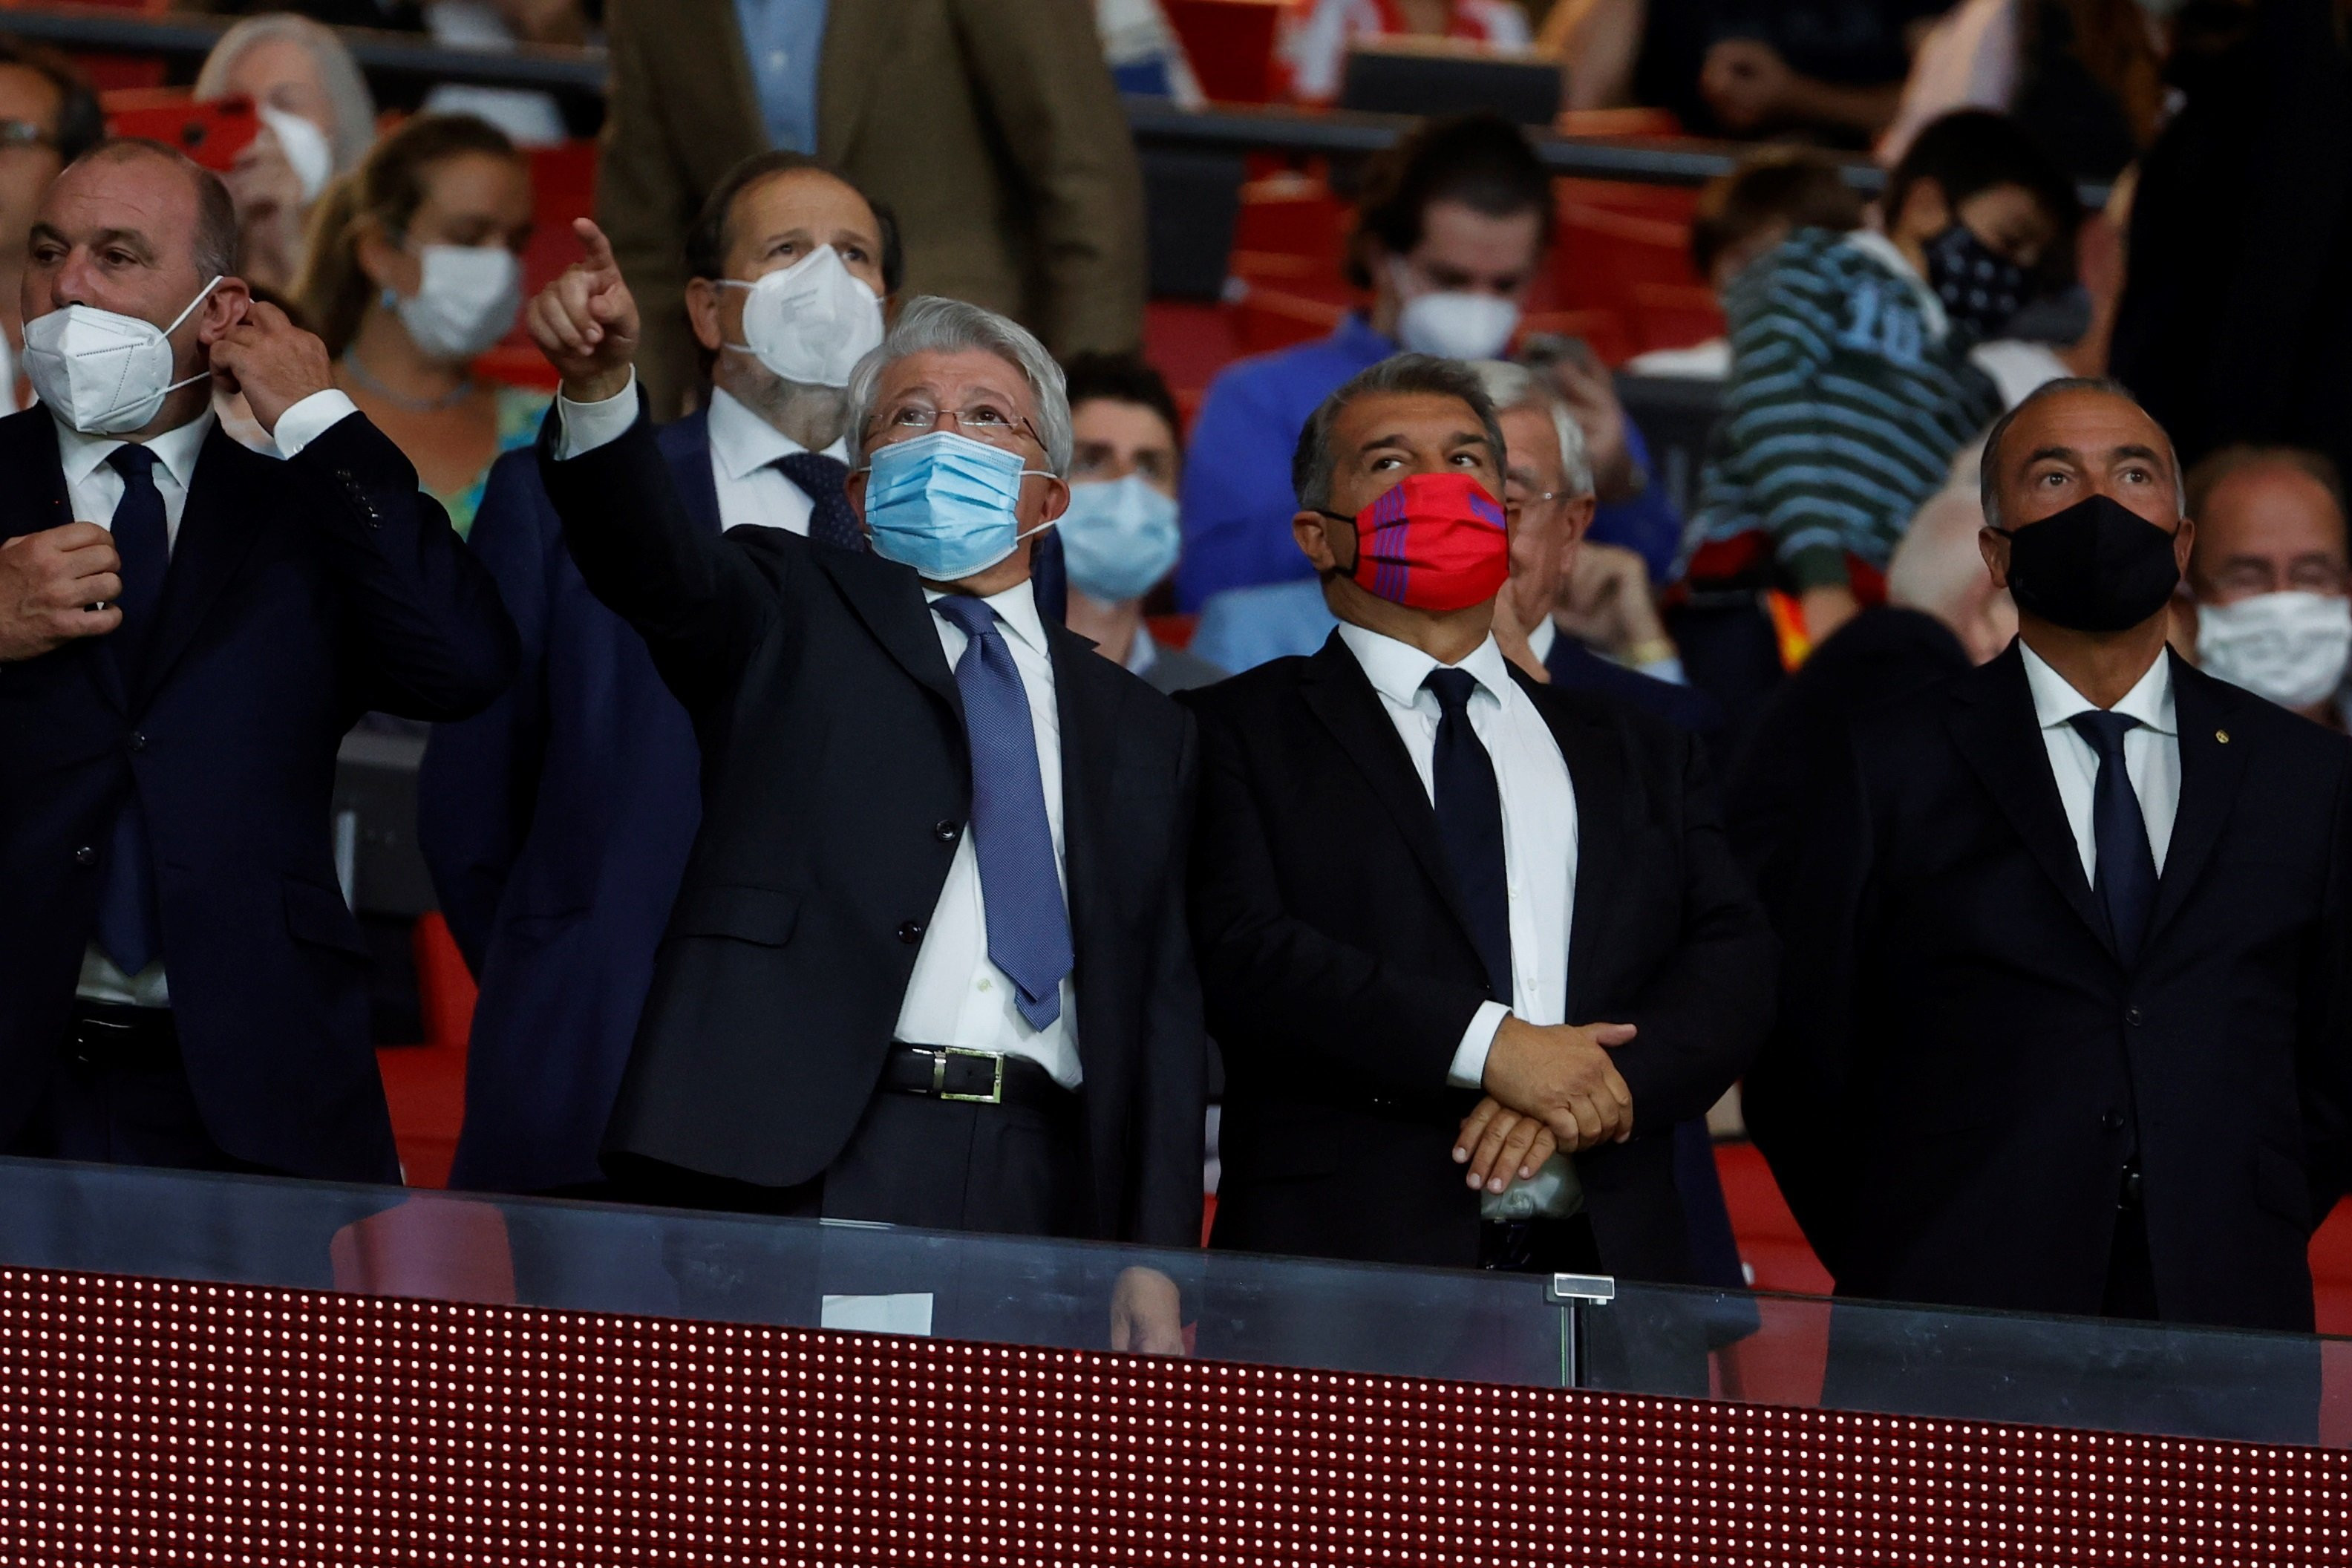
(187, 629)
(2270, 576)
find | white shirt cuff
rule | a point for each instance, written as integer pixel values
(310, 419)
(1469, 1068)
(584, 426)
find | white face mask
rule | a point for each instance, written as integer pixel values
(467, 299)
(102, 373)
(306, 147)
(1453, 325)
(810, 323)
(2289, 648)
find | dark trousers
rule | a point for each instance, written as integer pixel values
(119, 1096)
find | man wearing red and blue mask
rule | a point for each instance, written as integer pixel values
(1472, 944)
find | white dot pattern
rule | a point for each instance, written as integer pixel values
(153, 1422)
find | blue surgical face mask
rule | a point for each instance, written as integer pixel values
(944, 504)
(1119, 539)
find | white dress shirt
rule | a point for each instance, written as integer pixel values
(2151, 753)
(94, 489)
(743, 448)
(1539, 855)
(955, 996)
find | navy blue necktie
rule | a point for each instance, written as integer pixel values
(2127, 865)
(1470, 824)
(825, 480)
(1028, 927)
(129, 927)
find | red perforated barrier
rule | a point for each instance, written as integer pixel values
(155, 1422)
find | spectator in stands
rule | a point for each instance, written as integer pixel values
(416, 271)
(1145, 55)
(1366, 818)
(1011, 168)
(1316, 38)
(181, 981)
(49, 117)
(1825, 70)
(318, 120)
(1120, 536)
(2065, 1006)
(1451, 229)
(1773, 193)
(2268, 574)
(941, 837)
(557, 824)
(1851, 389)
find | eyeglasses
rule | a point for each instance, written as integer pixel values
(981, 421)
(25, 134)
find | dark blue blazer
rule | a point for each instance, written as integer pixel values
(557, 826)
(1576, 668)
(301, 594)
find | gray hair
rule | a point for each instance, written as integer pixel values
(1988, 470)
(933, 324)
(1310, 462)
(1512, 385)
(347, 90)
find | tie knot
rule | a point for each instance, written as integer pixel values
(2105, 731)
(1452, 687)
(975, 617)
(814, 470)
(133, 462)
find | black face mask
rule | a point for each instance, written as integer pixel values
(2097, 566)
(1982, 289)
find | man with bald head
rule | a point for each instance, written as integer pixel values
(187, 628)
(2065, 1009)
(2270, 578)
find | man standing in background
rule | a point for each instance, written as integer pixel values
(1015, 185)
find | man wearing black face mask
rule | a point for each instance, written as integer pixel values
(2066, 1003)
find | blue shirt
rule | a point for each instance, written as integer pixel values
(1237, 497)
(783, 40)
(1242, 628)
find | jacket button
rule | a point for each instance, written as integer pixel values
(945, 832)
(911, 931)
(138, 741)
(85, 856)
(2132, 1016)
(2112, 1121)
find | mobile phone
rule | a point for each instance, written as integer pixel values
(210, 133)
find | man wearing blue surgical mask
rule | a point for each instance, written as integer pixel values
(1120, 536)
(928, 965)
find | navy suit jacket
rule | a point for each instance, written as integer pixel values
(1575, 668)
(301, 594)
(557, 826)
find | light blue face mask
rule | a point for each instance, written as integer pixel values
(944, 504)
(1120, 537)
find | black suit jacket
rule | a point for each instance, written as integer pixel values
(1963, 1059)
(300, 594)
(1340, 974)
(835, 784)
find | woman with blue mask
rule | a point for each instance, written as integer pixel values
(1120, 536)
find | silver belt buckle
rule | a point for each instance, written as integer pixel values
(995, 1094)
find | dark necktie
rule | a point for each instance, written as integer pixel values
(130, 928)
(826, 483)
(1028, 927)
(1470, 823)
(2126, 866)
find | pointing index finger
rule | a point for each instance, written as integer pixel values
(596, 250)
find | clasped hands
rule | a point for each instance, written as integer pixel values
(1550, 1089)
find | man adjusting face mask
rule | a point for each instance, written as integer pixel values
(103, 372)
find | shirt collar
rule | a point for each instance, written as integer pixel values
(745, 443)
(1540, 637)
(1016, 612)
(1882, 250)
(1142, 653)
(1397, 669)
(2057, 703)
(175, 448)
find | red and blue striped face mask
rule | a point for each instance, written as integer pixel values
(1434, 541)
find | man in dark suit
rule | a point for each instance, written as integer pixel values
(1419, 875)
(929, 965)
(181, 982)
(2065, 1013)
(557, 824)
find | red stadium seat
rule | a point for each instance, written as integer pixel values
(1231, 45)
(426, 1083)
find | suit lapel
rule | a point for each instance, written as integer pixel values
(217, 529)
(890, 599)
(1338, 692)
(1596, 770)
(1087, 710)
(730, 124)
(1993, 727)
(2211, 772)
(33, 500)
(856, 38)
(698, 486)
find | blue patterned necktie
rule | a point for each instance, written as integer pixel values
(129, 926)
(2125, 882)
(1028, 927)
(826, 481)
(1470, 823)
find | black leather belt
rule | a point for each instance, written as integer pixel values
(978, 1078)
(102, 1035)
